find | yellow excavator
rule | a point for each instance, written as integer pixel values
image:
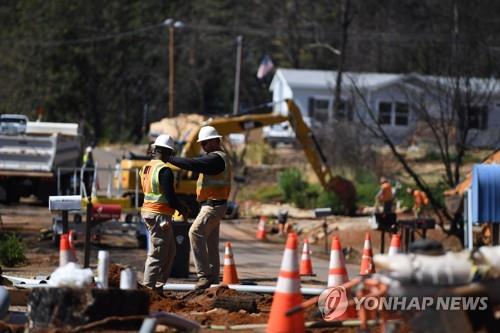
(185, 184)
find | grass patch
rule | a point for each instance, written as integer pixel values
(265, 193)
(11, 250)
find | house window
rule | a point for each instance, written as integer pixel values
(477, 117)
(384, 113)
(393, 113)
(401, 114)
(320, 109)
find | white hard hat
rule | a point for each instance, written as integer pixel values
(165, 141)
(88, 149)
(207, 133)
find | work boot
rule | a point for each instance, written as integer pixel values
(203, 283)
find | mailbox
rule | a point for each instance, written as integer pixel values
(65, 202)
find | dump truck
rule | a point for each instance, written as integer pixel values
(31, 153)
(185, 184)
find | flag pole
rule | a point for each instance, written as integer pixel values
(236, 101)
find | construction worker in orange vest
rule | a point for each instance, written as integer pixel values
(384, 195)
(160, 203)
(212, 189)
(420, 201)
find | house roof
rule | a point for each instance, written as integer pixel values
(320, 79)
(314, 79)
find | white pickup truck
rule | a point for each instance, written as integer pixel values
(31, 152)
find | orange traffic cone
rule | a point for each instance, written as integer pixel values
(65, 255)
(71, 239)
(230, 275)
(306, 263)
(395, 246)
(337, 273)
(261, 229)
(287, 294)
(367, 266)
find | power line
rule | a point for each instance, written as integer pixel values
(359, 36)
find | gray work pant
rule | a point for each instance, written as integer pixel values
(161, 251)
(204, 238)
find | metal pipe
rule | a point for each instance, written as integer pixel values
(243, 288)
(169, 319)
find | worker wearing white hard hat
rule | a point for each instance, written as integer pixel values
(212, 189)
(208, 133)
(160, 203)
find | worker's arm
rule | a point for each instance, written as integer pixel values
(209, 164)
(167, 183)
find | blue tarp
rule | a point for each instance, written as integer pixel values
(485, 193)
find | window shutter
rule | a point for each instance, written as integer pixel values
(310, 107)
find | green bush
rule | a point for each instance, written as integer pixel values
(11, 250)
(269, 193)
(329, 199)
(292, 185)
(366, 188)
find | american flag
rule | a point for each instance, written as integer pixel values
(266, 65)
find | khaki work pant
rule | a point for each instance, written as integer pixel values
(161, 250)
(204, 238)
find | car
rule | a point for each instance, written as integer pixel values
(279, 133)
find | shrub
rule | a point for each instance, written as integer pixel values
(366, 188)
(292, 185)
(11, 250)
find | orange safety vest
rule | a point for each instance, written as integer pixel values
(215, 187)
(386, 194)
(155, 200)
(420, 198)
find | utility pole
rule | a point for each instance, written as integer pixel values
(171, 70)
(171, 24)
(236, 101)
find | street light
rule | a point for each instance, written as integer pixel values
(172, 25)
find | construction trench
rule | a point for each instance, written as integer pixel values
(262, 271)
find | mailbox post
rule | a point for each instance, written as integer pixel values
(324, 212)
(63, 204)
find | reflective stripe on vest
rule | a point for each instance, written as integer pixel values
(215, 187)
(155, 200)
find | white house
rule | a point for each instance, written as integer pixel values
(395, 101)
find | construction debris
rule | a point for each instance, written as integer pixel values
(179, 127)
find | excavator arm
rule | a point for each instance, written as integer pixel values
(342, 187)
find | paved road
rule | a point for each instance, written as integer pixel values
(262, 260)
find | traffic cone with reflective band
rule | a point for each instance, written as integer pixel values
(71, 239)
(65, 255)
(305, 262)
(230, 275)
(261, 229)
(287, 294)
(395, 246)
(337, 273)
(367, 266)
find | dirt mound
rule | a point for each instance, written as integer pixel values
(205, 306)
